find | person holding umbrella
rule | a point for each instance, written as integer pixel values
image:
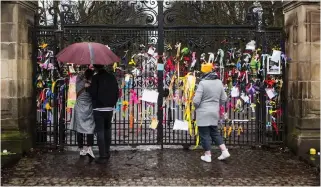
(104, 92)
(103, 88)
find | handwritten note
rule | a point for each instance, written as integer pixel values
(180, 125)
(150, 96)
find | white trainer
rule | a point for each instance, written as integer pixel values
(90, 152)
(225, 154)
(82, 152)
(206, 158)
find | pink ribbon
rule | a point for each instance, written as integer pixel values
(222, 111)
(230, 105)
(133, 97)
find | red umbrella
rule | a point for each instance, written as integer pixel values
(87, 53)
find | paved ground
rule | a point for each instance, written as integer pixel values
(168, 167)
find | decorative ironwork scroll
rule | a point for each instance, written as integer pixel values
(98, 12)
(205, 12)
(114, 12)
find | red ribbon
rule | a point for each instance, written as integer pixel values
(270, 83)
(242, 75)
(224, 41)
(225, 77)
(275, 127)
(186, 58)
(120, 93)
(169, 65)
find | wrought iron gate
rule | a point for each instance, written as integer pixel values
(126, 37)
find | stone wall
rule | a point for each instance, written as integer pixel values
(302, 27)
(17, 114)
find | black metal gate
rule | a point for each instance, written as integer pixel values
(127, 37)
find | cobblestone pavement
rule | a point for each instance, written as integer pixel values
(176, 167)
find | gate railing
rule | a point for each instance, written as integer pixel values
(52, 125)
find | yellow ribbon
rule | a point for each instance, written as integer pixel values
(132, 62)
(229, 131)
(53, 86)
(272, 111)
(44, 45)
(239, 130)
(197, 136)
(115, 66)
(48, 107)
(39, 84)
(189, 87)
(224, 129)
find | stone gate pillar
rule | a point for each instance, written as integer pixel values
(17, 114)
(302, 27)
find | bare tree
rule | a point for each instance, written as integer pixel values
(220, 13)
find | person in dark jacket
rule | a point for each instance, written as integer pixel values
(104, 93)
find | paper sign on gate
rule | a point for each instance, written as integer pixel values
(150, 96)
(245, 98)
(180, 125)
(270, 92)
(276, 56)
(151, 51)
(235, 92)
(71, 69)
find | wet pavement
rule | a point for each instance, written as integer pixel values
(176, 167)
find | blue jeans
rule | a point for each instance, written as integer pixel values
(103, 130)
(209, 134)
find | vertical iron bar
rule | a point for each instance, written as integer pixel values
(257, 119)
(55, 117)
(264, 98)
(55, 97)
(260, 38)
(36, 133)
(284, 95)
(62, 117)
(62, 23)
(160, 72)
(63, 107)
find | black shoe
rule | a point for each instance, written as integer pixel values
(102, 160)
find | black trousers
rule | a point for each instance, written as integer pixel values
(103, 130)
(80, 139)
